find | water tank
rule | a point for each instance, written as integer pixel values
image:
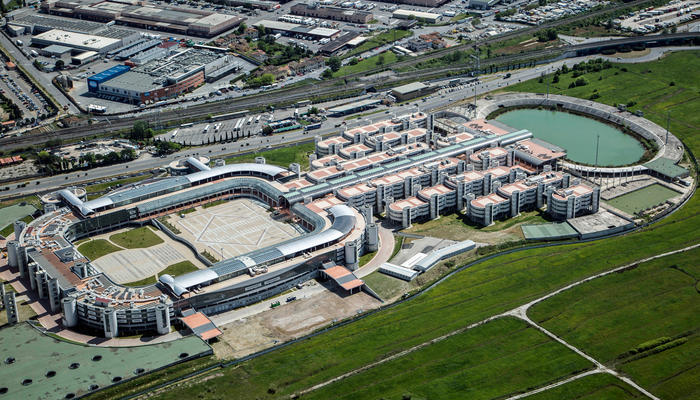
(260, 160)
(69, 306)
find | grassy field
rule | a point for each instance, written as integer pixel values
(366, 64)
(591, 387)
(136, 238)
(483, 290)
(180, 268)
(485, 354)
(367, 257)
(97, 248)
(642, 199)
(610, 316)
(379, 40)
(457, 226)
(282, 157)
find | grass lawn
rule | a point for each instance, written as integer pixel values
(367, 257)
(387, 287)
(642, 199)
(609, 316)
(591, 387)
(97, 248)
(467, 365)
(214, 203)
(180, 268)
(379, 40)
(457, 226)
(136, 238)
(492, 287)
(367, 64)
(297, 153)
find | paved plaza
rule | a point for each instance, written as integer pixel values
(233, 228)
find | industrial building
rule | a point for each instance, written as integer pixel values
(296, 30)
(173, 19)
(410, 91)
(424, 3)
(394, 166)
(430, 18)
(333, 13)
(162, 73)
(78, 41)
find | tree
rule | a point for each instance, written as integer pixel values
(127, 154)
(313, 110)
(267, 130)
(327, 74)
(556, 78)
(353, 61)
(334, 63)
(60, 64)
(261, 30)
(380, 59)
(140, 130)
(241, 28)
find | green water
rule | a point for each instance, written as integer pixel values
(577, 135)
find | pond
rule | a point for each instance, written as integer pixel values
(577, 134)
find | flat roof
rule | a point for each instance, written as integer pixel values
(410, 87)
(354, 106)
(74, 39)
(602, 221)
(418, 14)
(36, 354)
(553, 231)
(667, 167)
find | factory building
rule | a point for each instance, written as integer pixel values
(333, 13)
(430, 18)
(167, 18)
(78, 41)
(410, 91)
(175, 72)
(296, 30)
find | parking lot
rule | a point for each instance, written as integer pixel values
(26, 97)
(220, 131)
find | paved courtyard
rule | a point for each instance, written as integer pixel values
(233, 228)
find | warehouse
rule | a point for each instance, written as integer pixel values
(333, 13)
(80, 41)
(430, 18)
(146, 15)
(295, 30)
(410, 91)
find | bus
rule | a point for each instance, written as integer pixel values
(311, 127)
(206, 129)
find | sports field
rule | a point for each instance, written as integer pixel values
(643, 198)
(46, 368)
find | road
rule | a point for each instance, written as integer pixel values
(437, 100)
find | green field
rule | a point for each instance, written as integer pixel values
(136, 238)
(101, 187)
(367, 64)
(591, 387)
(611, 315)
(494, 286)
(180, 268)
(485, 354)
(643, 198)
(97, 248)
(297, 153)
(6, 231)
(379, 40)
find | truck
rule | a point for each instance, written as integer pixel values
(19, 42)
(34, 53)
